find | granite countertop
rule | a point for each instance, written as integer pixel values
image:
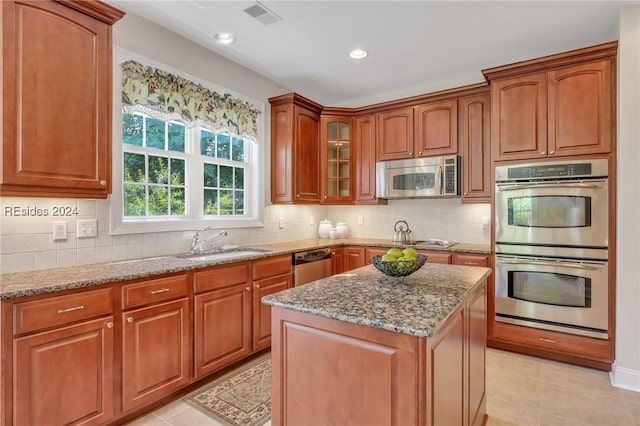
(30, 283)
(415, 305)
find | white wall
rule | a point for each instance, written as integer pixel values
(626, 372)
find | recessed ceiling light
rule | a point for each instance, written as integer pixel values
(225, 38)
(358, 53)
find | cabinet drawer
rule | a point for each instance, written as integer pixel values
(154, 291)
(271, 267)
(221, 277)
(59, 310)
(438, 257)
(472, 260)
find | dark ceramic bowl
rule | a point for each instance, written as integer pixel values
(398, 268)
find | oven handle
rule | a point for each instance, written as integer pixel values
(540, 263)
(551, 185)
(441, 180)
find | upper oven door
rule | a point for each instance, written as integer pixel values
(563, 213)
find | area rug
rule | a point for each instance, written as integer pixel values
(239, 398)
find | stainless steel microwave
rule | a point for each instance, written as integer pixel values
(427, 177)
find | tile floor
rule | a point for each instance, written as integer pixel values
(521, 390)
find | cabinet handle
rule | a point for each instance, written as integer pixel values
(103, 182)
(247, 289)
(373, 196)
(257, 285)
(130, 319)
(411, 154)
(420, 153)
(109, 325)
(546, 340)
(466, 193)
(297, 195)
(551, 152)
(471, 263)
(162, 290)
(71, 309)
(542, 152)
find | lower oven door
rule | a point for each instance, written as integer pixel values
(566, 295)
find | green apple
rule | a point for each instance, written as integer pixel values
(410, 252)
(395, 252)
(389, 257)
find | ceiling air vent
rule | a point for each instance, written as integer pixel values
(262, 14)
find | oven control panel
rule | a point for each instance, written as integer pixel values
(553, 170)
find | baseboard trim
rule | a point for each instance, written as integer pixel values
(625, 378)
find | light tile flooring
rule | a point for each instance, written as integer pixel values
(521, 390)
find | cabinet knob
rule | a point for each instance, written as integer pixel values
(247, 289)
(257, 285)
(130, 319)
(411, 154)
(420, 153)
(466, 193)
(103, 182)
(373, 196)
(551, 152)
(109, 325)
(325, 197)
(542, 152)
(297, 195)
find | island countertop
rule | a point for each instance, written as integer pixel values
(415, 305)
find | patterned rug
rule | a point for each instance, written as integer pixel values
(240, 398)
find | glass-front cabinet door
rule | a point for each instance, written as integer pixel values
(337, 160)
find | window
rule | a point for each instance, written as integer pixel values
(177, 171)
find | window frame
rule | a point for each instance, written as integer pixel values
(254, 184)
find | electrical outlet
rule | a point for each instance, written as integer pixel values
(87, 228)
(311, 220)
(360, 220)
(59, 230)
(281, 222)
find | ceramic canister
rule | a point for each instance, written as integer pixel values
(343, 230)
(325, 228)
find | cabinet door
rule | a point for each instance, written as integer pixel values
(57, 101)
(477, 343)
(262, 312)
(365, 159)
(282, 153)
(337, 153)
(395, 134)
(581, 109)
(519, 117)
(306, 156)
(353, 258)
(475, 147)
(155, 352)
(222, 327)
(337, 261)
(436, 129)
(370, 252)
(65, 376)
(438, 257)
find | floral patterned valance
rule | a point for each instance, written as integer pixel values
(167, 96)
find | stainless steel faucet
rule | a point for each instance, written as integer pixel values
(197, 244)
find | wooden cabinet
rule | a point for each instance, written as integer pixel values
(57, 98)
(63, 375)
(562, 105)
(337, 261)
(337, 159)
(438, 256)
(353, 258)
(295, 150)
(475, 147)
(222, 317)
(472, 259)
(269, 276)
(155, 341)
(476, 340)
(373, 251)
(420, 131)
(365, 160)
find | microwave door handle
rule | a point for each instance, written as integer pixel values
(551, 185)
(441, 180)
(558, 264)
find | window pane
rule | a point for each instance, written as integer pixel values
(177, 171)
(158, 201)
(176, 137)
(238, 149)
(178, 204)
(224, 147)
(239, 178)
(226, 202)
(226, 177)
(211, 175)
(132, 129)
(239, 202)
(158, 169)
(133, 170)
(134, 201)
(207, 143)
(211, 201)
(155, 133)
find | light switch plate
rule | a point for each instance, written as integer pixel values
(87, 228)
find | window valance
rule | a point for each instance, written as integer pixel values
(167, 96)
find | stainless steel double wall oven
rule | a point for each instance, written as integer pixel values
(552, 222)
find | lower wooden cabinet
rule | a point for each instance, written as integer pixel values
(337, 261)
(155, 352)
(353, 258)
(64, 376)
(443, 257)
(261, 312)
(472, 259)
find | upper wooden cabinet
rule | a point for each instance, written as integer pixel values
(475, 147)
(57, 98)
(365, 160)
(420, 131)
(336, 159)
(561, 105)
(295, 150)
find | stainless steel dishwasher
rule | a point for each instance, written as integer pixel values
(311, 265)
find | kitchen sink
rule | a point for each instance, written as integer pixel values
(433, 243)
(222, 254)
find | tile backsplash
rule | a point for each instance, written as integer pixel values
(26, 229)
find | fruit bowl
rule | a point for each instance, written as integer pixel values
(398, 268)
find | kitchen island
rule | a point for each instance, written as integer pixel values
(364, 349)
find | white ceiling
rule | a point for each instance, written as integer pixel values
(415, 46)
